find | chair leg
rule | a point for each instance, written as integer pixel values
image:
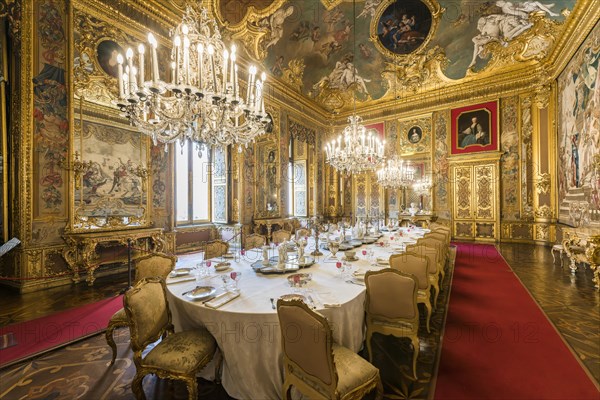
(192, 387)
(369, 346)
(111, 341)
(553, 257)
(218, 367)
(436, 292)
(415, 344)
(379, 393)
(287, 392)
(137, 387)
(428, 308)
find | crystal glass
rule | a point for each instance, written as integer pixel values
(234, 280)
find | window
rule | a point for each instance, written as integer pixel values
(200, 185)
(297, 203)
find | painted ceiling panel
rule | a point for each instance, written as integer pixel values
(378, 48)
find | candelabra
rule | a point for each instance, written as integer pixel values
(202, 102)
(356, 150)
(396, 174)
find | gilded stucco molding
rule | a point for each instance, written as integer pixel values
(544, 212)
(543, 183)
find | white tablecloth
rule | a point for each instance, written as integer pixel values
(247, 329)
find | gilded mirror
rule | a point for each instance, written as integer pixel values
(267, 182)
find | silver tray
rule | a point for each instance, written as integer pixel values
(179, 272)
(272, 268)
(308, 261)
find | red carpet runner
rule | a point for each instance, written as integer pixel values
(498, 344)
(55, 330)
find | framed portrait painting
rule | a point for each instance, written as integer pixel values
(474, 128)
(415, 135)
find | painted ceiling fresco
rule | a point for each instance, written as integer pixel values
(318, 46)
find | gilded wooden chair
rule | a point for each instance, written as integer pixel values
(391, 308)
(179, 355)
(302, 232)
(315, 365)
(418, 266)
(159, 265)
(281, 235)
(216, 248)
(254, 241)
(434, 268)
(442, 249)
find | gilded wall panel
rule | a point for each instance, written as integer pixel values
(441, 171)
(509, 162)
(50, 117)
(360, 190)
(485, 185)
(463, 197)
(160, 170)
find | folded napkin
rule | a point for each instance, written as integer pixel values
(383, 260)
(329, 302)
(173, 281)
(221, 299)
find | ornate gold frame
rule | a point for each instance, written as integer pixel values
(271, 140)
(436, 14)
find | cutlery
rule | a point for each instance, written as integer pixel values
(181, 280)
(273, 303)
(356, 283)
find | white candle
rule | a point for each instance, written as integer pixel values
(211, 51)
(200, 64)
(154, 45)
(235, 82)
(141, 50)
(126, 82)
(173, 72)
(129, 55)
(263, 78)
(186, 59)
(225, 64)
(120, 73)
(233, 58)
(177, 44)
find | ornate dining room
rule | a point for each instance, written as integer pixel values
(298, 199)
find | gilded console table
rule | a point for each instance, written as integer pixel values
(583, 245)
(84, 249)
(423, 220)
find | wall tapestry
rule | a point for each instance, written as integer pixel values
(474, 128)
(112, 189)
(579, 135)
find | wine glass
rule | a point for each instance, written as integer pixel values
(334, 247)
(340, 268)
(235, 279)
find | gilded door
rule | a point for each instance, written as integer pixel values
(475, 207)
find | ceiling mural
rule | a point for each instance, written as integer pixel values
(331, 51)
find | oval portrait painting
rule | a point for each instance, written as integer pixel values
(107, 52)
(403, 26)
(415, 133)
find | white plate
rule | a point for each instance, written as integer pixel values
(179, 272)
(200, 292)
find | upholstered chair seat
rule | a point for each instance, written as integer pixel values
(316, 366)
(216, 248)
(435, 271)
(391, 307)
(416, 265)
(181, 353)
(281, 235)
(353, 371)
(302, 232)
(159, 265)
(254, 241)
(178, 355)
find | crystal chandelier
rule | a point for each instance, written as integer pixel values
(356, 150)
(396, 174)
(202, 100)
(423, 185)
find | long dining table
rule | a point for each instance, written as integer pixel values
(247, 329)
